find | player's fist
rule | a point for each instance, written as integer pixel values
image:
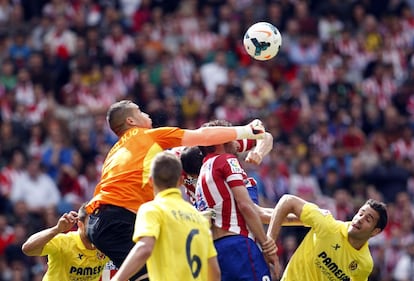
(253, 158)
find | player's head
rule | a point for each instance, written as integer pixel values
(381, 209)
(125, 114)
(369, 221)
(230, 147)
(165, 171)
(192, 160)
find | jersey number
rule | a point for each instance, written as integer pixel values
(194, 261)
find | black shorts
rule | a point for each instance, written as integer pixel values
(110, 229)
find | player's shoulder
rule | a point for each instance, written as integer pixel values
(225, 159)
(313, 210)
(225, 156)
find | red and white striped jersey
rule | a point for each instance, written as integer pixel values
(118, 48)
(403, 149)
(382, 90)
(190, 182)
(218, 175)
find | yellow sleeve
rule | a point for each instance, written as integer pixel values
(321, 220)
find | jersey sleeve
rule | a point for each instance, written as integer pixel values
(246, 144)
(167, 137)
(232, 170)
(147, 223)
(54, 245)
(321, 220)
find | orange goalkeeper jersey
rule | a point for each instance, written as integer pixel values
(125, 172)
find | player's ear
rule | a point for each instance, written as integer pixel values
(130, 121)
(376, 231)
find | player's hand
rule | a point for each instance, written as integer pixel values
(275, 269)
(253, 158)
(269, 247)
(67, 221)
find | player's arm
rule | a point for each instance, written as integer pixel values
(34, 244)
(262, 148)
(266, 215)
(206, 136)
(252, 218)
(214, 273)
(286, 205)
(136, 259)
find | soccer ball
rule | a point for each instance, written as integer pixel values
(262, 41)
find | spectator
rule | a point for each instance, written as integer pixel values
(322, 141)
(388, 177)
(403, 148)
(57, 8)
(305, 51)
(258, 93)
(231, 110)
(20, 50)
(61, 40)
(275, 183)
(8, 175)
(118, 44)
(379, 86)
(24, 88)
(18, 262)
(58, 149)
(213, 74)
(403, 268)
(302, 183)
(36, 188)
(8, 79)
(7, 235)
(191, 103)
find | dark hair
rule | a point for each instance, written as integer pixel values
(116, 115)
(166, 170)
(215, 123)
(381, 209)
(192, 160)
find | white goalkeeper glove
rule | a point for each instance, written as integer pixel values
(253, 130)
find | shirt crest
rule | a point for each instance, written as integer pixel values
(235, 165)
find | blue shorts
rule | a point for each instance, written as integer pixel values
(240, 259)
(253, 193)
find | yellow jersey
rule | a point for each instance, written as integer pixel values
(69, 260)
(325, 253)
(183, 238)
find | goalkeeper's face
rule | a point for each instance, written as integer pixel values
(141, 119)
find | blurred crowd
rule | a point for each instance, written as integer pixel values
(338, 100)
